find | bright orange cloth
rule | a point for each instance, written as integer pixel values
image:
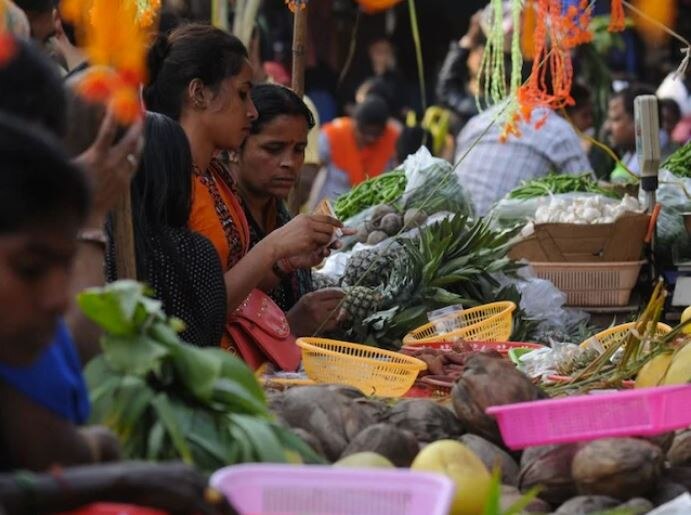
(359, 163)
(218, 215)
(225, 226)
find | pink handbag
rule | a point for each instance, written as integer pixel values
(260, 331)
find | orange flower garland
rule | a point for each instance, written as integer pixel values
(617, 20)
(374, 6)
(114, 34)
(563, 31)
(294, 5)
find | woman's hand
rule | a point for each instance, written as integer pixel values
(110, 166)
(303, 235)
(316, 311)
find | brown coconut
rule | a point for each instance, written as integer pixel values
(681, 475)
(511, 495)
(585, 504)
(332, 418)
(485, 382)
(619, 467)
(663, 441)
(679, 455)
(397, 445)
(492, 456)
(309, 439)
(666, 491)
(549, 467)
(427, 420)
(636, 506)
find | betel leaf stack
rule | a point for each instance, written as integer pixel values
(166, 399)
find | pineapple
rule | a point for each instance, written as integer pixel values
(371, 267)
(360, 302)
(321, 281)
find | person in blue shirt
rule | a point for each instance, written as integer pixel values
(43, 201)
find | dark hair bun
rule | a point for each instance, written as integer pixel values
(157, 56)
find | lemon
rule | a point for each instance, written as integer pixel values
(365, 460)
(684, 317)
(464, 468)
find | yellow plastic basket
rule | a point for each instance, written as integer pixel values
(617, 333)
(487, 323)
(373, 371)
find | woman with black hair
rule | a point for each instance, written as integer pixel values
(181, 266)
(201, 77)
(267, 169)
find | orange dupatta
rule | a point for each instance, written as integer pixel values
(218, 215)
(359, 163)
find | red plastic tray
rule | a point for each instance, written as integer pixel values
(502, 347)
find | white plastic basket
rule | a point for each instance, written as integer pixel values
(266, 489)
(592, 284)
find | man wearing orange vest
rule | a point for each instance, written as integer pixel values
(358, 148)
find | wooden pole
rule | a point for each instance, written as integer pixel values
(299, 36)
(125, 260)
(298, 85)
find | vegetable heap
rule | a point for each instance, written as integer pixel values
(169, 400)
(390, 290)
(378, 190)
(679, 163)
(553, 184)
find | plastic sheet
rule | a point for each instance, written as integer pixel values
(543, 302)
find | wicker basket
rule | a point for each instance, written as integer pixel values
(487, 323)
(371, 370)
(615, 334)
(592, 284)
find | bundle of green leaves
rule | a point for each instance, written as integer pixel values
(166, 399)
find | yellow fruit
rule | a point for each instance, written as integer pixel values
(653, 371)
(680, 370)
(463, 467)
(365, 460)
(684, 317)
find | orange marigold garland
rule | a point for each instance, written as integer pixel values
(617, 19)
(374, 6)
(556, 34)
(294, 5)
(114, 34)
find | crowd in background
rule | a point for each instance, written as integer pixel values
(210, 169)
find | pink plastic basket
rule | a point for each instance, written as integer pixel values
(641, 412)
(320, 490)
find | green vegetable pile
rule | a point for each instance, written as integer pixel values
(553, 184)
(450, 262)
(440, 191)
(169, 400)
(382, 189)
(679, 163)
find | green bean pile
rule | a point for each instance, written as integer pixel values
(382, 189)
(553, 184)
(679, 163)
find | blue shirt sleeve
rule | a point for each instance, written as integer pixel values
(54, 380)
